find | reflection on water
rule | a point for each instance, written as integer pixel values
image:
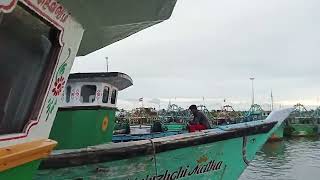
(291, 159)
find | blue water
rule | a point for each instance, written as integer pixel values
(290, 159)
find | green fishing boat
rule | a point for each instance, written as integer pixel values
(301, 122)
(86, 116)
(219, 153)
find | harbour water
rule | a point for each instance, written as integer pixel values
(290, 159)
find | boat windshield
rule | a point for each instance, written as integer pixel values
(26, 45)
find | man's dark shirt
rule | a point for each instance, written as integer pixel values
(201, 118)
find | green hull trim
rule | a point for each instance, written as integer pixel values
(175, 127)
(301, 130)
(24, 172)
(219, 160)
(81, 128)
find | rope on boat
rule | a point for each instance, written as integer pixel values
(154, 156)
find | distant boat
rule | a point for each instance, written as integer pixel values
(301, 122)
(227, 115)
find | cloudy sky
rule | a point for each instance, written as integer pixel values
(211, 48)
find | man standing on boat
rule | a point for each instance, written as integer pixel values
(200, 120)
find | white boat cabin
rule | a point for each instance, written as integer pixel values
(94, 89)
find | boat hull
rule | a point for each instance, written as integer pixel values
(21, 161)
(222, 154)
(25, 171)
(219, 160)
(82, 127)
(301, 130)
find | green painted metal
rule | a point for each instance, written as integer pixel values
(26, 171)
(219, 160)
(301, 130)
(81, 128)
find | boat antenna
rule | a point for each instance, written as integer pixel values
(107, 61)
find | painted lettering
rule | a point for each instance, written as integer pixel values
(54, 8)
(185, 171)
(173, 175)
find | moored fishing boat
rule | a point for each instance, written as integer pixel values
(163, 123)
(316, 116)
(301, 122)
(219, 153)
(86, 116)
(152, 158)
(227, 115)
(39, 41)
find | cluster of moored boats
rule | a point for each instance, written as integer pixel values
(141, 122)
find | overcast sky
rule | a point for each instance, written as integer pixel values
(211, 48)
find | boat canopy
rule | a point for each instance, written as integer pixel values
(108, 21)
(119, 80)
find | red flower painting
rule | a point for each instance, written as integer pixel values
(58, 86)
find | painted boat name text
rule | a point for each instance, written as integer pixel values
(186, 171)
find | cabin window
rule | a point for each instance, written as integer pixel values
(105, 97)
(27, 51)
(113, 96)
(88, 93)
(68, 93)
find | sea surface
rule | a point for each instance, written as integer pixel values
(290, 159)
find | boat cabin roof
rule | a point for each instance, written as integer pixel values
(117, 79)
(108, 21)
